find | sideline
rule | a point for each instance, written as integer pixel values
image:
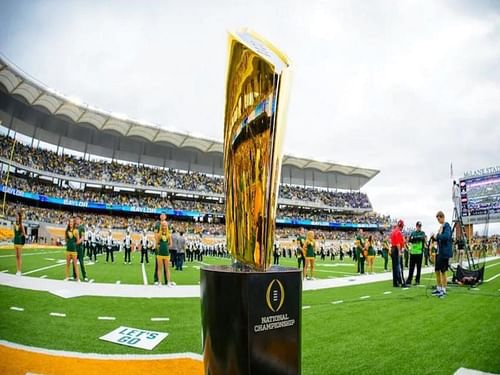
(68, 289)
(20, 358)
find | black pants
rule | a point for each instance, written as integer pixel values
(173, 257)
(361, 264)
(301, 260)
(109, 251)
(396, 267)
(276, 259)
(155, 277)
(415, 260)
(385, 255)
(406, 258)
(128, 250)
(144, 254)
(190, 255)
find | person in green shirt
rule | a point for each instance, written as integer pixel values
(79, 248)
(19, 240)
(157, 228)
(417, 244)
(385, 253)
(164, 243)
(72, 237)
(369, 250)
(359, 245)
(301, 238)
(309, 249)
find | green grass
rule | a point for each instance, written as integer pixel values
(407, 331)
(132, 274)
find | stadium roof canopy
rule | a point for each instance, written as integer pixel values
(35, 110)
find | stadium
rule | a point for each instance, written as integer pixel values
(61, 159)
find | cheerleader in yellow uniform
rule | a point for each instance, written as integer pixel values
(309, 250)
(164, 241)
(19, 239)
(72, 238)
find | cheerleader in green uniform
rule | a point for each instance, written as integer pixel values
(309, 250)
(19, 239)
(72, 238)
(164, 241)
(370, 251)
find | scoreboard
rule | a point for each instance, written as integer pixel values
(480, 198)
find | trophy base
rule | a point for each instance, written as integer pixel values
(251, 320)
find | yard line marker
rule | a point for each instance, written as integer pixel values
(106, 318)
(492, 278)
(58, 314)
(43, 277)
(387, 292)
(5, 271)
(44, 268)
(306, 307)
(364, 297)
(337, 302)
(118, 282)
(52, 259)
(144, 277)
(28, 254)
(160, 319)
(16, 308)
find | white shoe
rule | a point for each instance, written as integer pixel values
(18, 273)
(66, 279)
(172, 283)
(157, 283)
(86, 279)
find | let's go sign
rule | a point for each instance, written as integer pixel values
(137, 338)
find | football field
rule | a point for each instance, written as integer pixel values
(371, 328)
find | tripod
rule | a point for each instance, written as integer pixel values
(461, 238)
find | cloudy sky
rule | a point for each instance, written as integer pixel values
(406, 87)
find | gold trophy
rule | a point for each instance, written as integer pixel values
(257, 89)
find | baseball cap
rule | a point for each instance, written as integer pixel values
(419, 224)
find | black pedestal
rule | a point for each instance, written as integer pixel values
(251, 320)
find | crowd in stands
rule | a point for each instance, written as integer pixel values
(138, 223)
(135, 174)
(153, 201)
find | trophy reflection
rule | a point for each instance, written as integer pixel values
(257, 90)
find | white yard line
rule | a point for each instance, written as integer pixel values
(387, 292)
(160, 319)
(144, 277)
(492, 278)
(118, 282)
(106, 318)
(128, 357)
(364, 297)
(43, 276)
(4, 271)
(61, 315)
(16, 308)
(91, 281)
(337, 302)
(29, 254)
(43, 268)
(306, 307)
(492, 265)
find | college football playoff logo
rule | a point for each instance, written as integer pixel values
(275, 295)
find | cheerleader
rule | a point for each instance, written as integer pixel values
(164, 241)
(19, 240)
(72, 238)
(309, 249)
(127, 242)
(370, 254)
